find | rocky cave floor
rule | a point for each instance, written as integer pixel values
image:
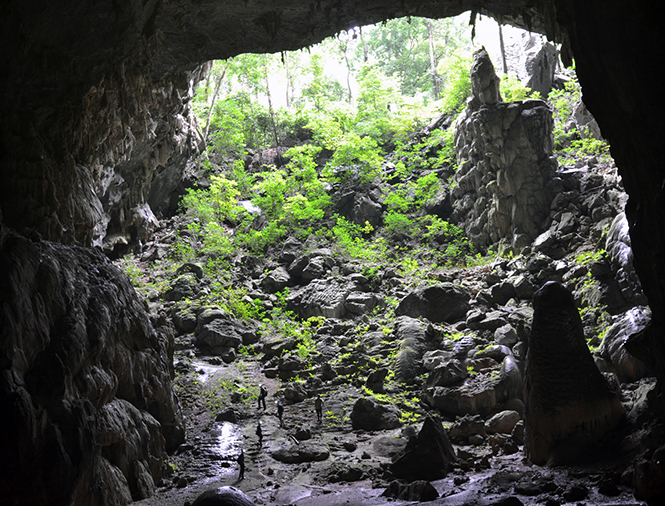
(330, 463)
(355, 473)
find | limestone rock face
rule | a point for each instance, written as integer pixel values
(85, 389)
(620, 252)
(484, 81)
(321, 297)
(506, 162)
(613, 348)
(537, 63)
(568, 403)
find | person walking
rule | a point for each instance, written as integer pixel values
(280, 413)
(241, 463)
(259, 433)
(263, 393)
(318, 405)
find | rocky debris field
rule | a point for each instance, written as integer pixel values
(450, 351)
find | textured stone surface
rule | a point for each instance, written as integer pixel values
(505, 156)
(445, 302)
(85, 390)
(304, 452)
(569, 404)
(613, 348)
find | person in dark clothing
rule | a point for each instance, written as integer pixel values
(241, 463)
(263, 393)
(318, 405)
(259, 432)
(280, 413)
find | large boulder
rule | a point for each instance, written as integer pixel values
(360, 208)
(475, 396)
(569, 405)
(429, 456)
(303, 452)
(276, 280)
(369, 414)
(223, 496)
(218, 335)
(445, 302)
(613, 347)
(321, 297)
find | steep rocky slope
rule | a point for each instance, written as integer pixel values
(385, 346)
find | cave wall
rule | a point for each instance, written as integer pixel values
(88, 411)
(619, 52)
(94, 101)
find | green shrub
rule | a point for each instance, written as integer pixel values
(455, 71)
(513, 90)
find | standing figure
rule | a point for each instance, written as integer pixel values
(241, 463)
(318, 404)
(263, 393)
(280, 413)
(259, 432)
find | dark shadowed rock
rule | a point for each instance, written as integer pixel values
(81, 367)
(419, 490)
(451, 373)
(185, 285)
(476, 395)
(228, 415)
(428, 456)
(569, 404)
(341, 471)
(369, 414)
(441, 303)
(223, 496)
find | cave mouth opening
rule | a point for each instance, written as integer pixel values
(97, 97)
(477, 450)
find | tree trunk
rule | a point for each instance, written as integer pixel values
(344, 46)
(272, 114)
(432, 59)
(503, 50)
(214, 99)
(285, 60)
(362, 42)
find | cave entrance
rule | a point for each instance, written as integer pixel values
(323, 261)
